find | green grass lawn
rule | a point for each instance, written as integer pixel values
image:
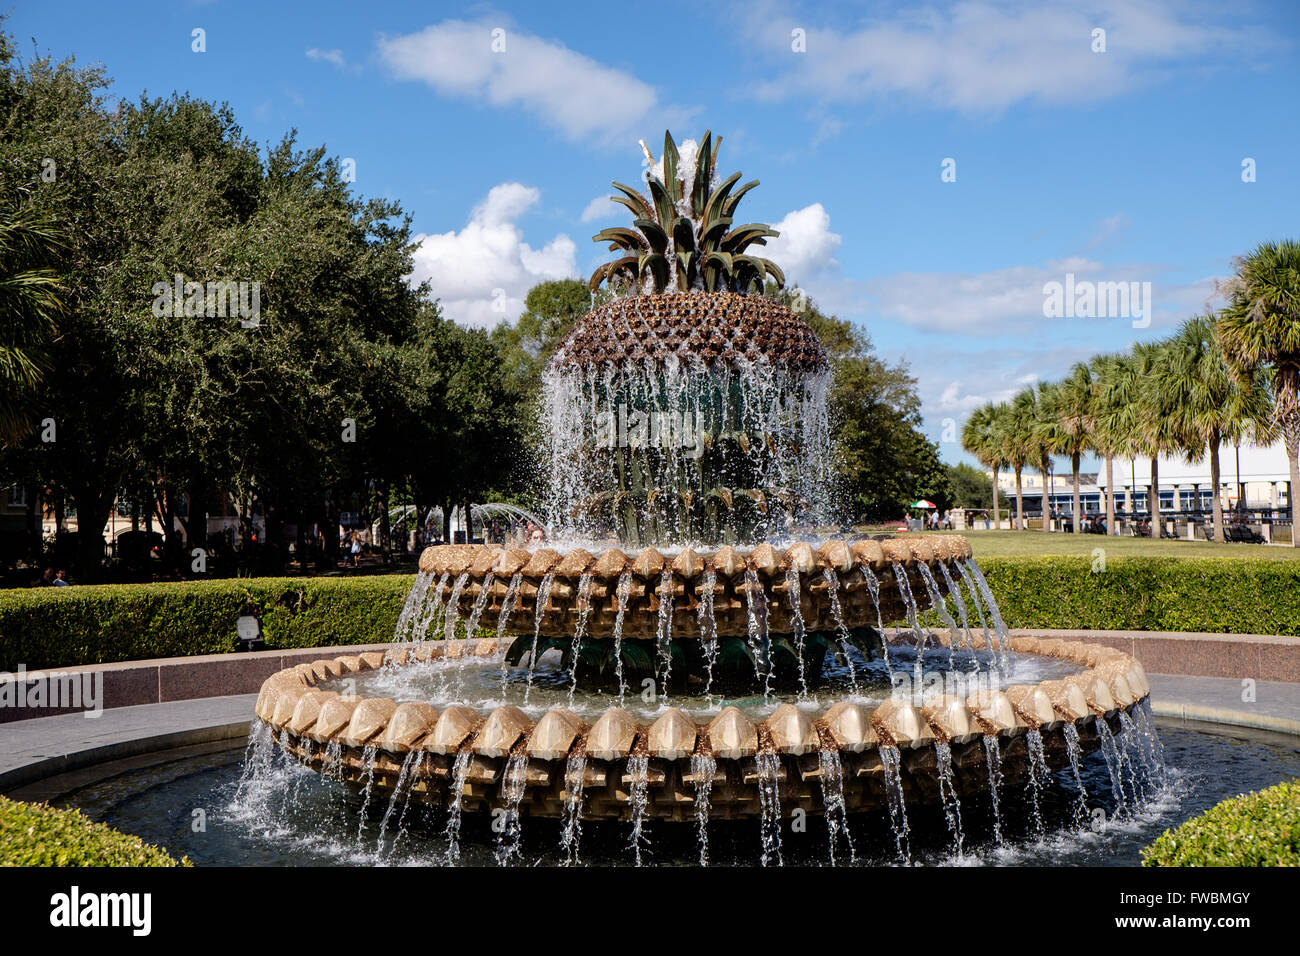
(1030, 543)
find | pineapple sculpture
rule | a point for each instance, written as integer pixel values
(690, 407)
(683, 238)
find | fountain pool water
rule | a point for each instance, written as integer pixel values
(260, 824)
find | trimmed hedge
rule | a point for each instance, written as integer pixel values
(61, 627)
(1215, 595)
(52, 627)
(1256, 829)
(34, 834)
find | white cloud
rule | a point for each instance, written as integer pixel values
(327, 56)
(466, 269)
(806, 245)
(582, 98)
(979, 56)
(600, 209)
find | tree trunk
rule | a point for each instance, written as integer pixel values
(1020, 503)
(1157, 522)
(92, 514)
(32, 523)
(1294, 459)
(1110, 496)
(997, 515)
(1046, 468)
(1076, 517)
(1214, 480)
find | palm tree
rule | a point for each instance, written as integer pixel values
(1260, 326)
(982, 437)
(1018, 442)
(1049, 438)
(1156, 417)
(1120, 410)
(30, 302)
(1112, 435)
(1212, 403)
(683, 238)
(1077, 411)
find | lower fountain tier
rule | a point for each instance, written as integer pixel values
(372, 737)
(584, 592)
(671, 786)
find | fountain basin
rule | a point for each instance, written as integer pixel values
(372, 742)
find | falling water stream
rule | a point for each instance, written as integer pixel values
(993, 761)
(703, 767)
(638, 770)
(769, 798)
(948, 793)
(575, 768)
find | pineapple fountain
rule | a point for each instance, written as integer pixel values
(676, 651)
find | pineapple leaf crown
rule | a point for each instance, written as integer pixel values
(683, 238)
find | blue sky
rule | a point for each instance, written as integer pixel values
(1115, 165)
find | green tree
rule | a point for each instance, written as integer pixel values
(982, 437)
(1112, 432)
(885, 462)
(30, 302)
(1211, 403)
(1260, 326)
(1018, 444)
(1077, 416)
(1049, 438)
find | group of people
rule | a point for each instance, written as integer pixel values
(54, 579)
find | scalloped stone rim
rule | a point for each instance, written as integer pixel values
(306, 719)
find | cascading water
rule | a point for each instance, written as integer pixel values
(543, 598)
(665, 631)
(1111, 754)
(1039, 776)
(503, 620)
(401, 793)
(638, 771)
(841, 630)
(580, 632)
(954, 592)
(480, 602)
(512, 794)
(891, 760)
(948, 793)
(368, 756)
(623, 591)
(708, 631)
(703, 767)
(940, 606)
(796, 618)
(459, 770)
(1075, 752)
(873, 588)
(575, 768)
(993, 761)
(769, 796)
(756, 614)
(453, 607)
(999, 627)
(837, 817)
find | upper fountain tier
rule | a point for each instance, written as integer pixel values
(698, 329)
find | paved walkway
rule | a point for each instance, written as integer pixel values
(1227, 700)
(33, 749)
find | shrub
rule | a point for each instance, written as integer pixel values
(1257, 829)
(34, 834)
(49, 627)
(1216, 595)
